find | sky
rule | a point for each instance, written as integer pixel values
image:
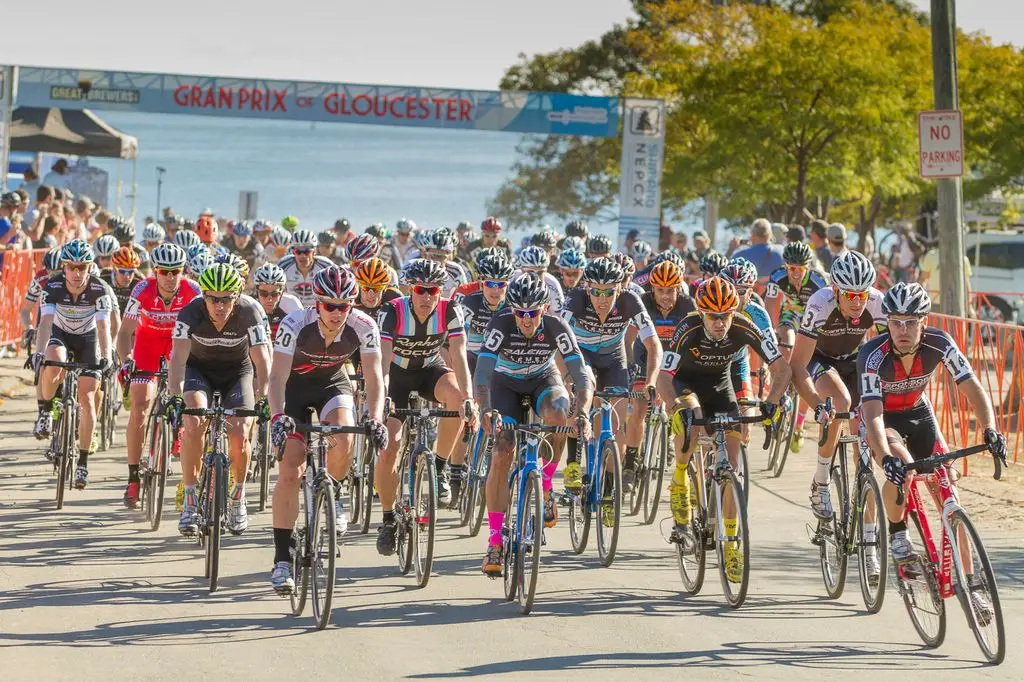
(1001, 19)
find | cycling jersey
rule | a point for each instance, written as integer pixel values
(155, 319)
(466, 289)
(301, 285)
(252, 252)
(665, 324)
(884, 377)
(386, 296)
(692, 351)
(478, 315)
(317, 364)
(77, 314)
(36, 286)
(606, 338)
(121, 294)
(286, 305)
(794, 301)
(756, 313)
(837, 337)
(418, 344)
(222, 354)
(457, 276)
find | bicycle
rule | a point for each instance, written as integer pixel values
(262, 459)
(110, 406)
(708, 493)
(416, 507)
(603, 491)
(930, 578)
(360, 477)
(844, 534)
(782, 437)
(315, 538)
(153, 469)
(650, 469)
(213, 479)
(64, 439)
(472, 503)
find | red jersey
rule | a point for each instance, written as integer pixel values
(155, 319)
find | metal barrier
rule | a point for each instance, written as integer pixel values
(19, 267)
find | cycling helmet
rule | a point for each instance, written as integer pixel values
(10, 199)
(712, 262)
(271, 274)
(376, 230)
(423, 271)
(361, 248)
(303, 239)
(186, 239)
(494, 267)
(421, 239)
(170, 256)
(640, 250)
(262, 226)
(740, 274)
(576, 228)
(105, 246)
(490, 224)
(235, 261)
(572, 259)
(373, 273)
(666, 274)
(852, 271)
(125, 258)
(485, 251)
(671, 257)
(280, 237)
(545, 238)
(440, 239)
(206, 229)
(123, 231)
(627, 265)
(599, 245)
(797, 253)
(603, 271)
(220, 277)
(153, 233)
(290, 223)
(51, 260)
(470, 235)
(577, 243)
(716, 295)
(335, 282)
(324, 239)
(405, 226)
(526, 292)
(907, 299)
(242, 229)
(77, 251)
(533, 257)
(199, 261)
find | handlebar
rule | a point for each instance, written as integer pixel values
(544, 428)
(329, 429)
(934, 460)
(722, 421)
(839, 415)
(425, 412)
(224, 411)
(67, 365)
(614, 393)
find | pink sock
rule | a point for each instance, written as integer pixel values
(549, 470)
(800, 421)
(494, 523)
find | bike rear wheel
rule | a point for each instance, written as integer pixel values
(157, 475)
(744, 472)
(735, 579)
(871, 498)
(985, 620)
(786, 441)
(833, 535)
(424, 510)
(692, 563)
(509, 540)
(324, 546)
(62, 458)
(531, 533)
(609, 508)
(654, 469)
(479, 502)
(579, 517)
(301, 550)
(365, 515)
(265, 452)
(919, 587)
(468, 499)
(216, 505)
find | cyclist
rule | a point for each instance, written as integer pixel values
(218, 340)
(187, 239)
(641, 253)
(570, 269)
(241, 243)
(490, 229)
(145, 339)
(413, 329)
(599, 316)
(309, 372)
(104, 248)
(124, 232)
(535, 259)
(207, 231)
(51, 267)
(824, 360)
(518, 361)
(439, 246)
(710, 264)
(270, 282)
(199, 258)
(326, 248)
(696, 372)
(261, 232)
(643, 275)
(363, 248)
(786, 294)
(599, 246)
(375, 286)
(74, 325)
(301, 265)
(894, 369)
(122, 276)
(280, 240)
(152, 236)
(628, 270)
(402, 244)
(546, 239)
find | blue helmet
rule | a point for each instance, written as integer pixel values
(77, 251)
(241, 229)
(572, 258)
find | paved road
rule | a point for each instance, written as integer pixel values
(88, 593)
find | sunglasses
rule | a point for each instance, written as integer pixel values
(425, 290)
(304, 251)
(219, 300)
(272, 293)
(495, 284)
(334, 307)
(796, 268)
(718, 317)
(78, 268)
(602, 293)
(742, 291)
(166, 272)
(524, 314)
(125, 272)
(377, 290)
(911, 323)
(855, 295)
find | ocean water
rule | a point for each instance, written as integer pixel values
(318, 173)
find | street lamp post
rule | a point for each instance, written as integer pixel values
(160, 170)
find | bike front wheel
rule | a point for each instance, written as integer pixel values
(369, 458)
(301, 549)
(733, 544)
(870, 512)
(214, 518)
(977, 589)
(324, 550)
(692, 561)
(424, 511)
(654, 469)
(531, 537)
(786, 440)
(509, 540)
(919, 586)
(609, 508)
(157, 474)
(833, 536)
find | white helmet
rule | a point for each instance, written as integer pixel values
(907, 299)
(153, 233)
(280, 237)
(533, 257)
(169, 256)
(852, 271)
(271, 274)
(105, 246)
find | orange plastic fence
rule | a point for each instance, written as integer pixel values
(15, 276)
(996, 352)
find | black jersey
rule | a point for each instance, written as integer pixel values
(418, 344)
(225, 352)
(121, 294)
(252, 253)
(76, 314)
(691, 351)
(605, 338)
(478, 315)
(793, 298)
(526, 358)
(665, 323)
(837, 337)
(883, 376)
(312, 359)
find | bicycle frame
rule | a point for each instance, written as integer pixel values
(943, 562)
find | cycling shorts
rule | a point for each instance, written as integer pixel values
(609, 371)
(301, 395)
(919, 430)
(147, 353)
(83, 348)
(423, 381)
(507, 394)
(235, 391)
(714, 393)
(845, 369)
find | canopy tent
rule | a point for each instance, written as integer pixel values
(70, 132)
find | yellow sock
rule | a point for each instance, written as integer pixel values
(730, 528)
(679, 476)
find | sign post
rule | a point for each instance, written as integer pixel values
(8, 90)
(643, 151)
(247, 203)
(941, 144)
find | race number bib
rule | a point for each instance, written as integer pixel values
(181, 331)
(670, 362)
(492, 341)
(956, 364)
(870, 385)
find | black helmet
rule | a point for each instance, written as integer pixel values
(342, 224)
(599, 245)
(669, 255)
(603, 271)
(797, 253)
(907, 299)
(494, 267)
(423, 271)
(123, 231)
(441, 239)
(545, 239)
(526, 292)
(712, 262)
(576, 228)
(324, 238)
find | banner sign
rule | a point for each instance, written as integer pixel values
(517, 112)
(643, 151)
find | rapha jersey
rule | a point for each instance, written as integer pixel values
(301, 285)
(286, 305)
(313, 359)
(77, 314)
(226, 351)
(882, 375)
(418, 344)
(605, 338)
(122, 294)
(837, 337)
(794, 299)
(692, 351)
(478, 315)
(527, 358)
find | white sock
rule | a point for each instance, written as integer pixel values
(870, 532)
(821, 472)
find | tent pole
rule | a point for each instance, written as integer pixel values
(135, 185)
(117, 187)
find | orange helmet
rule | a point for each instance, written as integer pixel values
(373, 273)
(666, 274)
(125, 258)
(717, 295)
(206, 229)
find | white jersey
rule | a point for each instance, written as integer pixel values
(457, 276)
(299, 285)
(289, 304)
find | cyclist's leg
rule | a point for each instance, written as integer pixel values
(285, 498)
(385, 472)
(441, 383)
(508, 403)
(239, 394)
(85, 349)
(338, 407)
(197, 393)
(141, 390)
(828, 384)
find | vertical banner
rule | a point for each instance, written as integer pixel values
(8, 76)
(643, 151)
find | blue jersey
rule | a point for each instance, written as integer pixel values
(756, 313)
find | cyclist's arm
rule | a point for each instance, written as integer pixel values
(631, 332)
(103, 337)
(260, 357)
(781, 374)
(26, 312)
(666, 391)
(485, 364)
(180, 349)
(386, 355)
(282, 369)
(457, 355)
(373, 375)
(43, 332)
(803, 349)
(653, 345)
(980, 402)
(126, 336)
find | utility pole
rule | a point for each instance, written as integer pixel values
(949, 190)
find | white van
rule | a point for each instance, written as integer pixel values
(997, 261)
